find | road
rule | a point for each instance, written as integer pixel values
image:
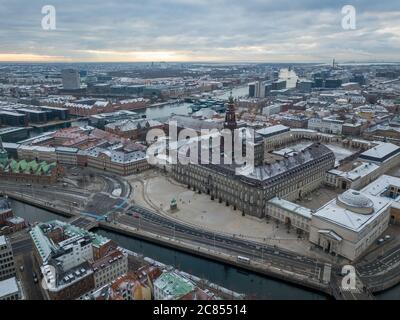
(385, 268)
(22, 247)
(148, 220)
(73, 199)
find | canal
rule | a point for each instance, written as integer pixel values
(254, 285)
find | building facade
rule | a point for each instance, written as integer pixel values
(351, 223)
(7, 266)
(10, 289)
(290, 178)
(109, 268)
(70, 79)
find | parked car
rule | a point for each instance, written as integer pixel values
(388, 237)
(379, 241)
(21, 268)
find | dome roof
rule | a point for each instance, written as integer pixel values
(356, 202)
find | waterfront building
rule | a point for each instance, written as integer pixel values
(304, 85)
(5, 211)
(66, 155)
(67, 284)
(7, 265)
(117, 161)
(290, 214)
(66, 254)
(290, 178)
(279, 85)
(28, 171)
(349, 224)
(172, 286)
(137, 285)
(13, 118)
(59, 240)
(13, 134)
(85, 110)
(8, 222)
(101, 120)
(56, 113)
(131, 104)
(110, 267)
(38, 153)
(186, 122)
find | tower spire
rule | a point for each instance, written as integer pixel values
(230, 115)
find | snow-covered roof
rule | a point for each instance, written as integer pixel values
(361, 171)
(306, 155)
(380, 152)
(335, 213)
(268, 131)
(8, 287)
(381, 185)
(292, 207)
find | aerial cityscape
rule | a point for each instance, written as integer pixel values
(199, 164)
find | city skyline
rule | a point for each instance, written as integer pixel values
(200, 31)
(213, 151)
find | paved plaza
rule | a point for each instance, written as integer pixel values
(155, 191)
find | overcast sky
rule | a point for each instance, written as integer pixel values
(200, 30)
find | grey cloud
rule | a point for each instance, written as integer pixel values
(261, 29)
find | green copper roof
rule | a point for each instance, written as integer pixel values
(31, 167)
(174, 285)
(45, 245)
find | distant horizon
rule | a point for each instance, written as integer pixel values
(361, 62)
(200, 31)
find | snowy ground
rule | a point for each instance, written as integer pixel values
(339, 151)
(318, 198)
(156, 191)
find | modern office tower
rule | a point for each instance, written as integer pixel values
(267, 88)
(256, 89)
(7, 267)
(333, 83)
(304, 85)
(71, 79)
(252, 90)
(279, 85)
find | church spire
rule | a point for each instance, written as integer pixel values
(230, 115)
